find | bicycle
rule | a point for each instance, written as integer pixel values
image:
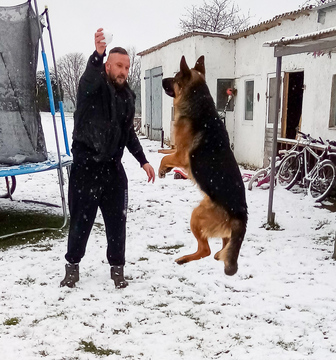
(263, 176)
(320, 179)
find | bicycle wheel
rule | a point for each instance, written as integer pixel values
(256, 178)
(323, 181)
(289, 171)
(11, 186)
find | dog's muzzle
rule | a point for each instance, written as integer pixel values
(168, 86)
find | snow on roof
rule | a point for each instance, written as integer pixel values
(317, 35)
(268, 24)
(323, 40)
(181, 37)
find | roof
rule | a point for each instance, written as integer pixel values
(275, 21)
(319, 41)
(181, 37)
(263, 26)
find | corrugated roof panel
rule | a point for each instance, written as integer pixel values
(317, 35)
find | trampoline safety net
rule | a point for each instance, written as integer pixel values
(21, 134)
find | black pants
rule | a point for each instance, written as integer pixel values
(91, 186)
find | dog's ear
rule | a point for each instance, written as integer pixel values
(184, 68)
(199, 66)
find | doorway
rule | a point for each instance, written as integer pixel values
(153, 90)
(292, 104)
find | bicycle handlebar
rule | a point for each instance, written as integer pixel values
(311, 139)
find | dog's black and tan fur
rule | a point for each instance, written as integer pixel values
(203, 150)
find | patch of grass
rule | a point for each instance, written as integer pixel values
(12, 321)
(12, 221)
(199, 302)
(100, 228)
(58, 315)
(128, 325)
(90, 347)
(161, 305)
(42, 247)
(196, 319)
(27, 281)
(320, 224)
(238, 338)
(167, 250)
(272, 321)
(272, 226)
(287, 345)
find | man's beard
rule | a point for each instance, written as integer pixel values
(116, 82)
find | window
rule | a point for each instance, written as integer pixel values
(332, 119)
(222, 97)
(249, 95)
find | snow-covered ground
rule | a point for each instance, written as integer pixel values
(280, 305)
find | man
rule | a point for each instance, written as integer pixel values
(103, 126)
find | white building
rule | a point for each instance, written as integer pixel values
(68, 105)
(239, 60)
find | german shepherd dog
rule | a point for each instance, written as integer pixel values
(203, 150)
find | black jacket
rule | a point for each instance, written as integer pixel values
(103, 118)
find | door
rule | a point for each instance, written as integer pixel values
(153, 91)
(292, 109)
(271, 97)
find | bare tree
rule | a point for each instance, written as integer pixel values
(215, 16)
(314, 2)
(135, 70)
(134, 76)
(70, 68)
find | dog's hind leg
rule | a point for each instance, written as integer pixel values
(197, 222)
(218, 256)
(231, 247)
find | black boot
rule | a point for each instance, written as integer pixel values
(71, 275)
(117, 274)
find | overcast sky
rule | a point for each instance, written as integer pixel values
(138, 23)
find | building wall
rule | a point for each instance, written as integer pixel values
(255, 62)
(68, 105)
(219, 61)
(246, 59)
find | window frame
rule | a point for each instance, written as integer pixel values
(248, 113)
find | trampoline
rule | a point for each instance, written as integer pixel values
(22, 144)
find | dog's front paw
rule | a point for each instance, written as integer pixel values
(182, 260)
(162, 174)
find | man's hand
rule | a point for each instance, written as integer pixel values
(150, 172)
(100, 46)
